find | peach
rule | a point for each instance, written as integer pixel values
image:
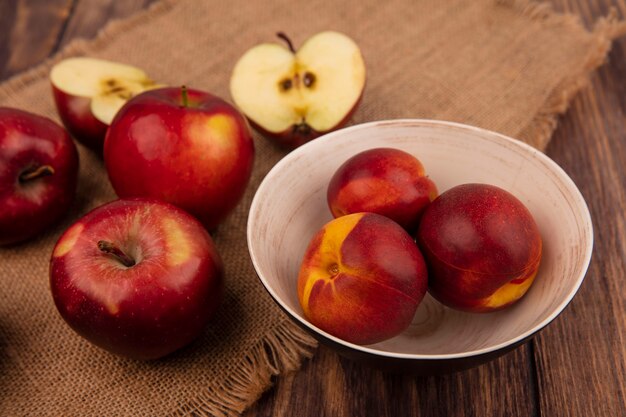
(385, 181)
(482, 247)
(362, 278)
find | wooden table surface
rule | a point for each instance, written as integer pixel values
(574, 367)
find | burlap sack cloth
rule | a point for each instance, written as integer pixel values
(507, 66)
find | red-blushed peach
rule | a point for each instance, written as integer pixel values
(482, 247)
(385, 181)
(362, 278)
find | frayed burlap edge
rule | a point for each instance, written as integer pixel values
(605, 30)
(281, 350)
(286, 345)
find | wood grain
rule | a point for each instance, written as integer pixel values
(329, 385)
(30, 29)
(90, 16)
(590, 146)
(575, 367)
(580, 357)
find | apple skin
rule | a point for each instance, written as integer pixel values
(362, 278)
(147, 310)
(27, 142)
(385, 181)
(75, 113)
(482, 247)
(198, 157)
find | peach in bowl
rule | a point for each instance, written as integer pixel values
(290, 207)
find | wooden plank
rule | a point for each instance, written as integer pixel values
(329, 385)
(90, 16)
(7, 17)
(593, 135)
(581, 363)
(30, 30)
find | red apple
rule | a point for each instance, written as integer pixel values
(38, 172)
(139, 278)
(482, 247)
(295, 96)
(186, 147)
(362, 278)
(386, 181)
(88, 92)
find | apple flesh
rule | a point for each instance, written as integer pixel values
(38, 174)
(186, 147)
(295, 96)
(362, 278)
(138, 278)
(385, 181)
(88, 92)
(482, 247)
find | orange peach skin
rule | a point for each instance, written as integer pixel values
(362, 279)
(482, 247)
(385, 181)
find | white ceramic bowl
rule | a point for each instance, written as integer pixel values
(290, 206)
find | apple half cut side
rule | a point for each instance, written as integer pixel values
(88, 92)
(295, 96)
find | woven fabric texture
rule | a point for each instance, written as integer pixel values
(508, 66)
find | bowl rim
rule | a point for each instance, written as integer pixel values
(526, 148)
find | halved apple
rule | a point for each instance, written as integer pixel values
(88, 92)
(295, 96)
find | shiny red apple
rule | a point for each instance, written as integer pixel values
(139, 278)
(187, 147)
(38, 173)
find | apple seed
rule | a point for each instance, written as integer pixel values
(308, 80)
(286, 84)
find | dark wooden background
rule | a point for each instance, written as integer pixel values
(575, 367)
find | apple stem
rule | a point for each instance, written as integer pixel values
(284, 37)
(184, 95)
(302, 128)
(36, 172)
(111, 249)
